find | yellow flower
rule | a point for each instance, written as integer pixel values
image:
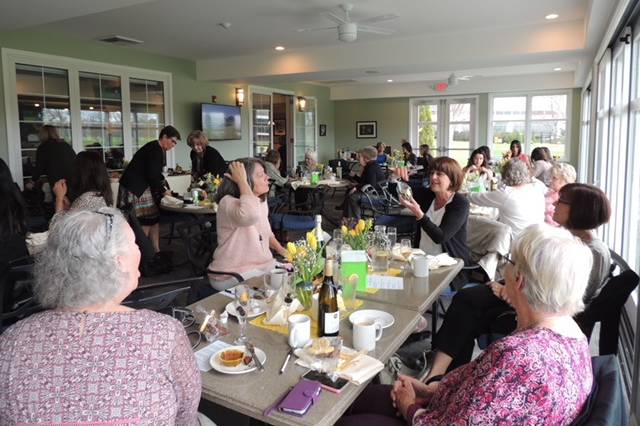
(369, 224)
(352, 232)
(217, 181)
(312, 240)
(291, 248)
(360, 226)
(344, 230)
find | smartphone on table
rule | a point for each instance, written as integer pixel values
(326, 382)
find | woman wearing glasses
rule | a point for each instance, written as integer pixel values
(541, 373)
(88, 358)
(142, 184)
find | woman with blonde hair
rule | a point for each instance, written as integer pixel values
(204, 158)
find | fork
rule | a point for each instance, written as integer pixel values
(252, 351)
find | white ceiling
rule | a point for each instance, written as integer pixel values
(432, 38)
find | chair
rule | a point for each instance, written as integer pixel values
(161, 295)
(606, 307)
(200, 240)
(606, 404)
(300, 217)
(16, 297)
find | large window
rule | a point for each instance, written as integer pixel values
(109, 109)
(447, 125)
(585, 134)
(533, 119)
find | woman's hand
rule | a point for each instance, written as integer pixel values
(60, 189)
(500, 291)
(403, 395)
(420, 389)
(413, 206)
(237, 172)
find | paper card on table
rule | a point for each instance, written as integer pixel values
(385, 282)
(204, 355)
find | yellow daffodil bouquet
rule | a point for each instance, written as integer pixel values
(358, 237)
(306, 258)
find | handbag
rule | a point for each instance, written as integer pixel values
(301, 397)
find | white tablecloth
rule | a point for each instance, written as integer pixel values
(178, 184)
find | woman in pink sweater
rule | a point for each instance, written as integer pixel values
(245, 238)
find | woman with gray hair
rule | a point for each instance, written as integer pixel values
(541, 373)
(86, 358)
(560, 174)
(520, 202)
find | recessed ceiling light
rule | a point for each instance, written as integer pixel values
(389, 80)
(557, 69)
(552, 16)
(279, 48)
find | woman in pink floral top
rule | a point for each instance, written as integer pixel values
(90, 359)
(539, 375)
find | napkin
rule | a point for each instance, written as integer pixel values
(395, 253)
(440, 260)
(168, 200)
(204, 355)
(354, 366)
(277, 313)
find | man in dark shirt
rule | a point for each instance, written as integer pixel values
(372, 175)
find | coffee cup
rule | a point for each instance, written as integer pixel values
(274, 279)
(365, 335)
(420, 266)
(299, 330)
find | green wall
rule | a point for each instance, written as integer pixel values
(393, 115)
(188, 93)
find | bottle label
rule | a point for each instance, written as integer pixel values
(331, 322)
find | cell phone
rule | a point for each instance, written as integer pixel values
(326, 382)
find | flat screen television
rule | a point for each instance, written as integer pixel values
(221, 122)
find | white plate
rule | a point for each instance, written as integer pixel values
(260, 308)
(384, 318)
(238, 369)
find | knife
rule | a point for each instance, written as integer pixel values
(252, 351)
(286, 361)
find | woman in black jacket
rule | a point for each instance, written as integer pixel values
(204, 159)
(442, 213)
(142, 184)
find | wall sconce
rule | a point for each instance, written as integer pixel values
(239, 96)
(302, 103)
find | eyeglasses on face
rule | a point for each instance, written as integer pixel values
(506, 258)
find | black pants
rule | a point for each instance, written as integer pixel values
(474, 311)
(351, 205)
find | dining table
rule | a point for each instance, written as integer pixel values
(252, 393)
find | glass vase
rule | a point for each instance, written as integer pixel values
(304, 293)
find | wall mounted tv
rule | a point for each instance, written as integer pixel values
(221, 122)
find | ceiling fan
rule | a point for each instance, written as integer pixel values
(348, 29)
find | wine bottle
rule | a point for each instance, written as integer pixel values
(328, 312)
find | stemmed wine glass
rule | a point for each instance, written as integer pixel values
(242, 305)
(406, 250)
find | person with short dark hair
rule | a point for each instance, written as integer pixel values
(244, 233)
(89, 188)
(143, 185)
(204, 158)
(441, 212)
(371, 174)
(407, 152)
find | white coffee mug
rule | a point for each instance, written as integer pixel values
(366, 334)
(420, 266)
(299, 330)
(275, 278)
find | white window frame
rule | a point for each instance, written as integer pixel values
(584, 165)
(443, 122)
(12, 57)
(526, 143)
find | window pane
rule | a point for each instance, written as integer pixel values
(459, 136)
(460, 112)
(460, 155)
(147, 111)
(29, 80)
(552, 134)
(503, 133)
(549, 107)
(56, 82)
(428, 135)
(510, 108)
(427, 113)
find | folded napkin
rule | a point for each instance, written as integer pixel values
(354, 366)
(277, 312)
(440, 260)
(168, 200)
(396, 255)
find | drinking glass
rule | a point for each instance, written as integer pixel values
(392, 234)
(242, 299)
(406, 250)
(379, 229)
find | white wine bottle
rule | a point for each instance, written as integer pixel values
(328, 312)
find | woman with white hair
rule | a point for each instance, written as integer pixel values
(541, 373)
(560, 175)
(310, 163)
(88, 358)
(520, 203)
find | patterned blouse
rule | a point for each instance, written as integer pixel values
(531, 377)
(87, 200)
(123, 368)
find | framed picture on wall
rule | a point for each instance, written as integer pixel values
(322, 130)
(366, 129)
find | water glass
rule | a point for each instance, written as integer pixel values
(392, 235)
(379, 229)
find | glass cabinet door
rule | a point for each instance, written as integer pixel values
(305, 136)
(261, 123)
